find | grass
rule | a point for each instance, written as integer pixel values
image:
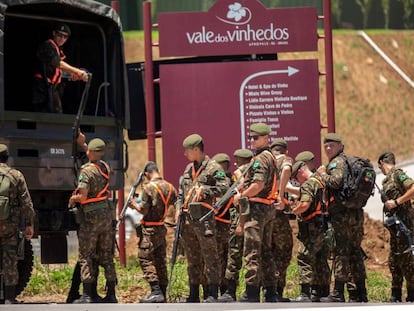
(49, 280)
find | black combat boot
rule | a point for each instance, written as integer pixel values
(324, 290)
(353, 295)
(230, 294)
(279, 292)
(396, 295)
(10, 295)
(252, 294)
(72, 296)
(205, 291)
(164, 290)
(212, 293)
(74, 287)
(316, 293)
(305, 294)
(410, 294)
(110, 293)
(362, 295)
(194, 296)
(87, 294)
(94, 293)
(156, 295)
(337, 294)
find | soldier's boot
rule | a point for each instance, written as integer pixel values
(212, 293)
(75, 284)
(396, 295)
(410, 294)
(252, 294)
(87, 294)
(305, 294)
(110, 293)
(194, 296)
(337, 293)
(94, 293)
(230, 293)
(316, 293)
(362, 295)
(156, 295)
(324, 290)
(223, 288)
(10, 295)
(205, 291)
(164, 291)
(353, 295)
(279, 291)
(72, 296)
(270, 294)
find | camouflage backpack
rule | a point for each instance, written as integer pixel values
(359, 182)
(4, 194)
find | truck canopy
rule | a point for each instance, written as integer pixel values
(96, 44)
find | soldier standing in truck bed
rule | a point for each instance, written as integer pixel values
(15, 205)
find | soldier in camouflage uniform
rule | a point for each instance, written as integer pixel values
(235, 243)
(399, 190)
(158, 195)
(19, 210)
(282, 238)
(202, 181)
(347, 224)
(95, 235)
(312, 222)
(259, 186)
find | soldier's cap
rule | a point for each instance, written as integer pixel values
(4, 148)
(260, 128)
(221, 157)
(305, 156)
(279, 142)
(63, 28)
(150, 167)
(243, 153)
(332, 137)
(384, 155)
(192, 141)
(96, 144)
(296, 167)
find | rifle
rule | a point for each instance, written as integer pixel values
(76, 124)
(228, 195)
(394, 219)
(131, 193)
(177, 235)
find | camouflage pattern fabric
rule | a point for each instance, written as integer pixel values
(21, 206)
(152, 247)
(400, 261)
(95, 235)
(222, 237)
(199, 239)
(235, 251)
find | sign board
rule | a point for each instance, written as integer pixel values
(219, 101)
(238, 27)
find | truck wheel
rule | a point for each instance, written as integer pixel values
(25, 267)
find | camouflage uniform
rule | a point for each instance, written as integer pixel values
(21, 210)
(313, 253)
(199, 239)
(152, 245)
(257, 251)
(282, 238)
(96, 239)
(348, 228)
(400, 260)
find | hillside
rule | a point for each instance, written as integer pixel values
(373, 104)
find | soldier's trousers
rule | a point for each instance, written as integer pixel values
(8, 244)
(401, 262)
(96, 244)
(282, 244)
(257, 250)
(152, 252)
(222, 237)
(200, 248)
(235, 253)
(312, 253)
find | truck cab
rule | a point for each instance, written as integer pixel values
(41, 144)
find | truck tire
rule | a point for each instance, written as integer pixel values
(25, 267)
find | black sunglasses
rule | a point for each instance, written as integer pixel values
(255, 137)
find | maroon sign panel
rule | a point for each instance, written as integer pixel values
(237, 27)
(220, 101)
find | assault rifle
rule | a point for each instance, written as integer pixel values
(394, 220)
(134, 187)
(76, 124)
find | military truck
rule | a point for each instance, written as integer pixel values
(41, 144)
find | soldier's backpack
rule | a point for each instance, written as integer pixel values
(4, 194)
(359, 182)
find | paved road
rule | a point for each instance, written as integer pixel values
(210, 307)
